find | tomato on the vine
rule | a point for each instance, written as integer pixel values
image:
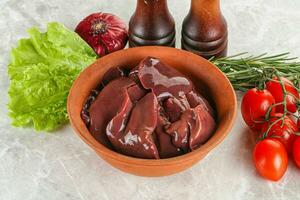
(255, 105)
(296, 152)
(270, 159)
(292, 97)
(284, 133)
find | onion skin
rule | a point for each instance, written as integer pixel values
(104, 32)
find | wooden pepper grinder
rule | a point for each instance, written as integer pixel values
(151, 24)
(204, 29)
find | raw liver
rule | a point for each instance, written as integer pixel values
(136, 138)
(106, 106)
(153, 113)
(162, 80)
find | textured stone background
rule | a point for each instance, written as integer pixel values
(60, 166)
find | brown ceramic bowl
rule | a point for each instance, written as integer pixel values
(206, 77)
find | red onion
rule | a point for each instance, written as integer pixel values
(104, 32)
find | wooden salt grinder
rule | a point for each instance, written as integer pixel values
(151, 24)
(204, 29)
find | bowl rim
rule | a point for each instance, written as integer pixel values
(100, 148)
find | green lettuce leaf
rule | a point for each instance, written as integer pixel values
(42, 70)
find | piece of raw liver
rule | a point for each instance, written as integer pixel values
(162, 80)
(108, 103)
(112, 74)
(194, 99)
(137, 138)
(136, 92)
(174, 107)
(194, 128)
(203, 129)
(165, 147)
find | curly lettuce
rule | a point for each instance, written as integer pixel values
(42, 70)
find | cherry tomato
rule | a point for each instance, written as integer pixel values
(285, 134)
(255, 105)
(270, 159)
(276, 90)
(296, 151)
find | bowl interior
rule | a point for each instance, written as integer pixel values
(207, 78)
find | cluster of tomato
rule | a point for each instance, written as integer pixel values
(273, 114)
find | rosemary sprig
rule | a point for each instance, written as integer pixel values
(246, 72)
